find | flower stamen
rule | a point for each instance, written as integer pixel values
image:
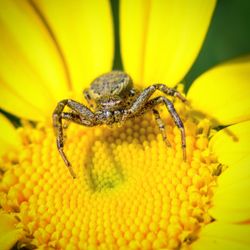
(131, 190)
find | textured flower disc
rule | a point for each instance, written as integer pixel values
(131, 190)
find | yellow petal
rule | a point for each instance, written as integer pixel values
(223, 92)
(9, 235)
(220, 236)
(8, 135)
(232, 144)
(85, 34)
(32, 75)
(235, 174)
(233, 204)
(161, 39)
(231, 201)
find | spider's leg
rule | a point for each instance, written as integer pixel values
(151, 104)
(86, 114)
(169, 91)
(82, 115)
(178, 123)
(77, 118)
(144, 96)
(161, 126)
(57, 123)
(162, 99)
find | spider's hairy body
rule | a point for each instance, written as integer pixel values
(113, 84)
(111, 93)
(114, 99)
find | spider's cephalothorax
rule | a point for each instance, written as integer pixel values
(110, 94)
(114, 99)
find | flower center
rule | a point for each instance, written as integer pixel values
(132, 191)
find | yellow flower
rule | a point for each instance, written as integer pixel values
(131, 190)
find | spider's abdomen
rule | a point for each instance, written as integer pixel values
(115, 83)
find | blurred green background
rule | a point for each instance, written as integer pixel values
(228, 36)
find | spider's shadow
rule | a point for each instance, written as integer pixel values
(97, 179)
(113, 175)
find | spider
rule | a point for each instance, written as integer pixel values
(115, 100)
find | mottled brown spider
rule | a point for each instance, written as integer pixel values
(115, 100)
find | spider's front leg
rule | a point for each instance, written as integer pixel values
(171, 109)
(144, 96)
(82, 115)
(143, 104)
(161, 126)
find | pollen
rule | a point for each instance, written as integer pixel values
(132, 191)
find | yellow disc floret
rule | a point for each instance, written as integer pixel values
(132, 191)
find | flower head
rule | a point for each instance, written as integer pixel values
(131, 190)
